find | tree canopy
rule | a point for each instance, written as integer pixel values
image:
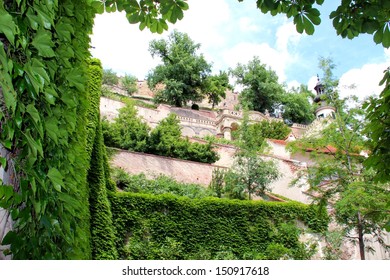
(261, 88)
(216, 86)
(296, 106)
(338, 177)
(183, 71)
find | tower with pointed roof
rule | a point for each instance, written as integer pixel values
(324, 110)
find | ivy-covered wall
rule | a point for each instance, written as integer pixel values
(147, 223)
(102, 230)
(43, 73)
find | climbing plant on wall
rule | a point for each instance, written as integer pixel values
(43, 62)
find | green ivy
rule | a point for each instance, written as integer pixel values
(43, 53)
(43, 128)
(245, 228)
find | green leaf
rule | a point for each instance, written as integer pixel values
(386, 37)
(44, 16)
(64, 30)
(308, 25)
(33, 113)
(7, 144)
(43, 43)
(98, 6)
(378, 36)
(133, 18)
(50, 96)
(3, 162)
(56, 178)
(76, 79)
(9, 238)
(52, 128)
(34, 145)
(37, 74)
(7, 25)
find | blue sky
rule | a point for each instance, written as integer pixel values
(231, 32)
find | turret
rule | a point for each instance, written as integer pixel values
(324, 110)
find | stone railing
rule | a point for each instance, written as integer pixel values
(198, 121)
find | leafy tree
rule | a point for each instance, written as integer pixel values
(182, 73)
(129, 131)
(160, 184)
(129, 82)
(378, 132)
(261, 88)
(217, 183)
(338, 177)
(163, 139)
(350, 19)
(250, 174)
(364, 208)
(109, 77)
(252, 136)
(216, 86)
(297, 107)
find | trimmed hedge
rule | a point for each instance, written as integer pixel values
(102, 230)
(202, 228)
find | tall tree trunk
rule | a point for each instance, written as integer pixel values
(360, 232)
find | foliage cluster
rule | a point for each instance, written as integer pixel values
(129, 83)
(131, 133)
(182, 73)
(171, 227)
(338, 177)
(109, 77)
(138, 101)
(98, 177)
(161, 184)
(297, 107)
(43, 99)
(261, 88)
(256, 133)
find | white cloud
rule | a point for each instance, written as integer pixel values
(244, 52)
(246, 25)
(124, 48)
(121, 46)
(312, 83)
(287, 37)
(363, 81)
(277, 58)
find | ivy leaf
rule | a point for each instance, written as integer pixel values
(56, 178)
(43, 43)
(76, 79)
(7, 25)
(33, 113)
(64, 30)
(52, 128)
(45, 19)
(9, 238)
(3, 162)
(34, 145)
(36, 73)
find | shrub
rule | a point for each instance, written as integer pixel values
(210, 228)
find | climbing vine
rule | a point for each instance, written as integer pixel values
(43, 53)
(43, 74)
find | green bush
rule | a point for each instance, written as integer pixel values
(160, 185)
(129, 83)
(109, 77)
(131, 133)
(198, 228)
